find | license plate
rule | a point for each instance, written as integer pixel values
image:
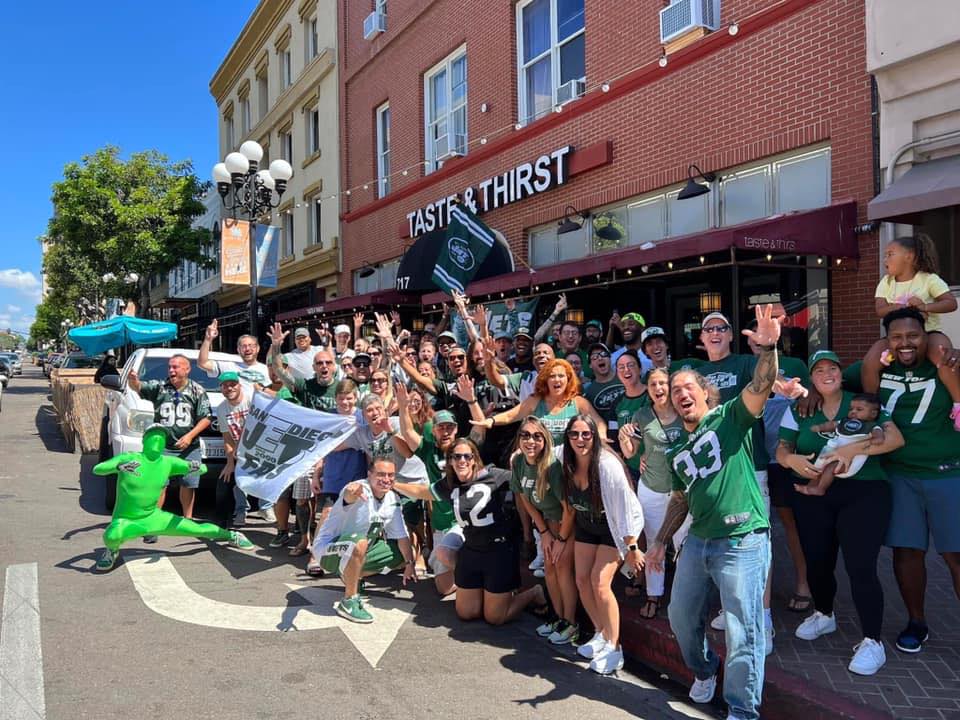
(212, 448)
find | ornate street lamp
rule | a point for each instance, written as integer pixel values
(246, 189)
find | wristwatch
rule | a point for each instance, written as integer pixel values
(632, 546)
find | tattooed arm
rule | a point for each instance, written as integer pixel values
(755, 394)
(676, 513)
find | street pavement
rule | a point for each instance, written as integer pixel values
(192, 629)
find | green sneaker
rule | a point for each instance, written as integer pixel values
(239, 540)
(352, 609)
(107, 559)
(569, 633)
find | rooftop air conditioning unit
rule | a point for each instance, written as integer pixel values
(682, 16)
(571, 90)
(374, 24)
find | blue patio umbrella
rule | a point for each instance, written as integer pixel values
(118, 331)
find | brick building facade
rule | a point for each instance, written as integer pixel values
(788, 80)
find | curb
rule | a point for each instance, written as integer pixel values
(785, 696)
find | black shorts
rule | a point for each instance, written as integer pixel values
(495, 570)
(325, 499)
(593, 533)
(780, 483)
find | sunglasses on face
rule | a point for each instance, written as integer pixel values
(451, 358)
(375, 353)
(580, 434)
(377, 381)
(361, 363)
(716, 329)
(536, 436)
(462, 456)
(599, 354)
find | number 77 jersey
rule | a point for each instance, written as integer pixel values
(713, 466)
(920, 406)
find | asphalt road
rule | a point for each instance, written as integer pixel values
(191, 629)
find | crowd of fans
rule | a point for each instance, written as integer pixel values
(586, 453)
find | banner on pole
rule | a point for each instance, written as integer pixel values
(501, 317)
(235, 252)
(281, 441)
(268, 255)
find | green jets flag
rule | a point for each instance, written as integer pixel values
(467, 245)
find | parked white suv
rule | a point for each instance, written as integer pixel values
(126, 415)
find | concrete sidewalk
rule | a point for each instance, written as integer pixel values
(810, 680)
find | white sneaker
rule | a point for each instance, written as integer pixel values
(609, 659)
(592, 646)
(768, 634)
(547, 628)
(816, 625)
(539, 573)
(719, 622)
(269, 515)
(536, 563)
(702, 690)
(868, 657)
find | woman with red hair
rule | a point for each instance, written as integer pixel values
(555, 400)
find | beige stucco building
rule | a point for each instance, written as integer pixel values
(913, 51)
(278, 86)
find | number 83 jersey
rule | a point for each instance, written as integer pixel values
(713, 467)
(478, 508)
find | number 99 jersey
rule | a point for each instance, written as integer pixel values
(713, 467)
(478, 508)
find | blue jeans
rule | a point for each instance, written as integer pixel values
(738, 567)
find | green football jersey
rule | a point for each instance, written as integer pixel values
(435, 461)
(177, 410)
(628, 406)
(730, 376)
(655, 438)
(523, 481)
(713, 466)
(604, 397)
(920, 406)
(311, 394)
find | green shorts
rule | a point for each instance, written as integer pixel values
(382, 555)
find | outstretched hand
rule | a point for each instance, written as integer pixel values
(768, 327)
(212, 331)
(277, 335)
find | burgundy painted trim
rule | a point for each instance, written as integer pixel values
(644, 75)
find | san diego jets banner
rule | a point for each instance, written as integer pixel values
(281, 441)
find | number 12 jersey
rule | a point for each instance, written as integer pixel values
(478, 508)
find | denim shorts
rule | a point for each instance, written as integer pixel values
(922, 508)
(193, 479)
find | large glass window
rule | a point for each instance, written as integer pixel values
(745, 195)
(445, 93)
(228, 132)
(943, 227)
(314, 222)
(263, 98)
(244, 116)
(313, 131)
(551, 51)
(288, 246)
(383, 149)
(286, 146)
(311, 39)
(802, 182)
(286, 68)
(384, 278)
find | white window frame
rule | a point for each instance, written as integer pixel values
(314, 221)
(263, 94)
(383, 150)
(311, 40)
(444, 66)
(289, 240)
(286, 145)
(526, 115)
(285, 63)
(228, 132)
(245, 115)
(313, 131)
(380, 6)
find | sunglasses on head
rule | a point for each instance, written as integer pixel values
(580, 434)
(716, 329)
(462, 456)
(538, 436)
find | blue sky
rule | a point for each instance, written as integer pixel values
(80, 75)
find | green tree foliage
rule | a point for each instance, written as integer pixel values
(49, 315)
(116, 216)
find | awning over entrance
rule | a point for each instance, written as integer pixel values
(825, 231)
(925, 186)
(416, 266)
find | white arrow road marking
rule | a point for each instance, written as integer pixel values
(21, 661)
(163, 590)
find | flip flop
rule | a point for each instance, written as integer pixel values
(314, 569)
(650, 608)
(800, 603)
(297, 551)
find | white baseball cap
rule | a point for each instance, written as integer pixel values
(714, 316)
(341, 329)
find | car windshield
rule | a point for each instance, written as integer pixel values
(80, 361)
(155, 368)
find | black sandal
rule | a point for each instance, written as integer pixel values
(800, 603)
(650, 608)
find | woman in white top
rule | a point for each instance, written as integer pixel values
(608, 520)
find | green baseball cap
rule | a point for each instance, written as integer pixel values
(823, 355)
(636, 317)
(444, 417)
(228, 376)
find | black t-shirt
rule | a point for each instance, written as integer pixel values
(587, 517)
(478, 508)
(461, 410)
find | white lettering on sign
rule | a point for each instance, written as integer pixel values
(761, 243)
(523, 181)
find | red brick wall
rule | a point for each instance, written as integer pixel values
(800, 80)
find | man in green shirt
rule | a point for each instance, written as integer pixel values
(729, 543)
(317, 392)
(924, 473)
(606, 389)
